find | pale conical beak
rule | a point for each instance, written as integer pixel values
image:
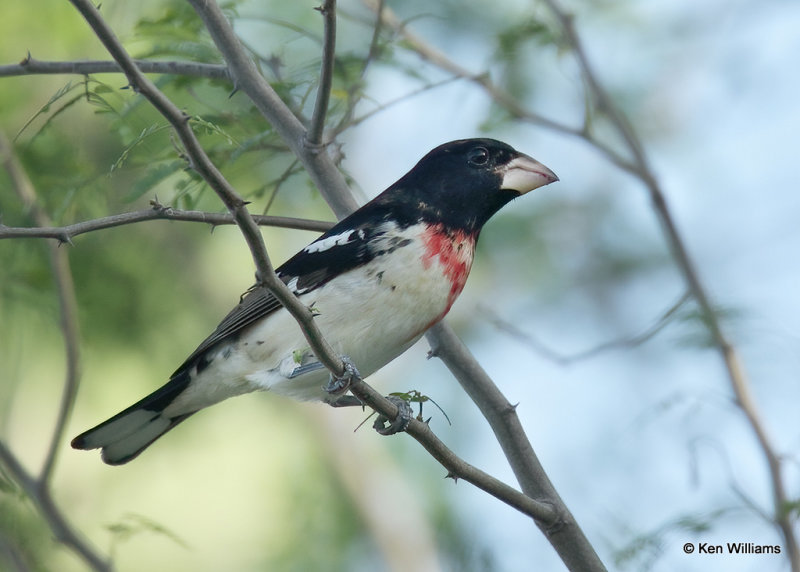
(523, 174)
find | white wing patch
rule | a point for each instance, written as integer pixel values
(332, 241)
(292, 284)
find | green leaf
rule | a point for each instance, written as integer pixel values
(95, 97)
(144, 134)
(58, 95)
(415, 396)
(213, 128)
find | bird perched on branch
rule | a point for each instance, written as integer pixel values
(376, 281)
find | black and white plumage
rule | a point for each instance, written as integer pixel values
(377, 281)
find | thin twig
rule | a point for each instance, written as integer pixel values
(65, 234)
(317, 125)
(567, 359)
(355, 91)
(31, 66)
(374, 42)
(292, 169)
(353, 122)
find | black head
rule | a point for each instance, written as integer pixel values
(461, 184)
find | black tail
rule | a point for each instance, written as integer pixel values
(130, 432)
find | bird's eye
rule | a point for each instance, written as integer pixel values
(478, 156)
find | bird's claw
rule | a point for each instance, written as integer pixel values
(399, 423)
(338, 385)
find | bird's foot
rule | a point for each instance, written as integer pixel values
(338, 385)
(399, 423)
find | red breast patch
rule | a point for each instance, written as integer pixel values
(453, 252)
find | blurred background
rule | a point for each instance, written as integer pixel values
(642, 438)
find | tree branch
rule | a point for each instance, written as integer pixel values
(349, 121)
(354, 94)
(65, 234)
(568, 359)
(31, 66)
(317, 125)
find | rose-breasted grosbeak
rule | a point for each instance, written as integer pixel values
(376, 280)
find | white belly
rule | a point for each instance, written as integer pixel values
(371, 314)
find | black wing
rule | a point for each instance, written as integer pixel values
(256, 303)
(342, 248)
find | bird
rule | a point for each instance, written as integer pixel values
(376, 281)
